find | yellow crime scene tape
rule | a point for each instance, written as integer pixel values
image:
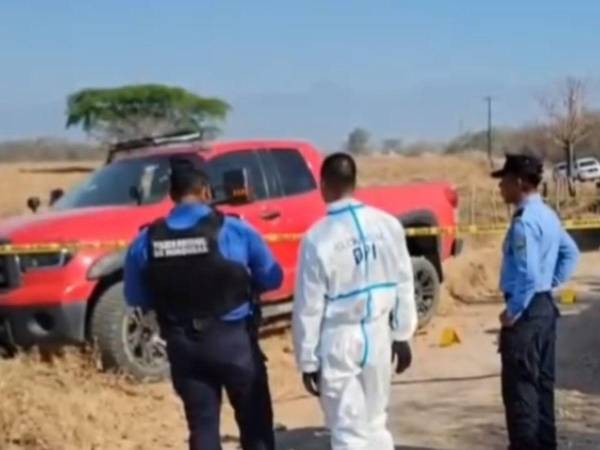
(274, 238)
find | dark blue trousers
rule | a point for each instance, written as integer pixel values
(528, 373)
(226, 356)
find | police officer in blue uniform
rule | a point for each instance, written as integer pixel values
(198, 270)
(538, 256)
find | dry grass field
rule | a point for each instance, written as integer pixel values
(478, 193)
(18, 181)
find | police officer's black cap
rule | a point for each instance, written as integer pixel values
(520, 165)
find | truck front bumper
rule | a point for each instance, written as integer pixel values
(26, 326)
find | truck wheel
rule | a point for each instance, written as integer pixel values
(128, 340)
(427, 289)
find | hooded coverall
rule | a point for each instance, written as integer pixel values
(354, 296)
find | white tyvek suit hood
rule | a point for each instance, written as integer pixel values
(354, 294)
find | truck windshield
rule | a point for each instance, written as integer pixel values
(113, 184)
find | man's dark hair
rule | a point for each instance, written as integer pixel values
(339, 171)
(186, 177)
(533, 179)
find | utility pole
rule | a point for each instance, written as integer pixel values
(488, 99)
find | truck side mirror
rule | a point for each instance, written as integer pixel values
(33, 203)
(236, 187)
(55, 195)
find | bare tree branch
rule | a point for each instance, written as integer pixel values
(568, 120)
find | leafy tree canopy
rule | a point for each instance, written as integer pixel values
(135, 111)
(358, 141)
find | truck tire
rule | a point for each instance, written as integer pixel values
(127, 340)
(427, 289)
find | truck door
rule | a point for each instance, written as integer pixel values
(261, 213)
(294, 205)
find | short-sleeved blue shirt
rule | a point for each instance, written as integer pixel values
(538, 255)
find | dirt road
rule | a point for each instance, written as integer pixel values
(449, 399)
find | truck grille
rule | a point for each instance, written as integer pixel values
(9, 270)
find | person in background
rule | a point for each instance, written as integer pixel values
(198, 270)
(354, 311)
(538, 256)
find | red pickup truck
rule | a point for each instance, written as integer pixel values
(70, 297)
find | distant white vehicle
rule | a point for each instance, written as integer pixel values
(586, 169)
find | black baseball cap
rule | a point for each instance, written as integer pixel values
(520, 165)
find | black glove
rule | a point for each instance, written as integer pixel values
(402, 355)
(311, 382)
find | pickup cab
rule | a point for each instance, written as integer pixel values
(76, 296)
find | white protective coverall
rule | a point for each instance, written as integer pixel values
(354, 295)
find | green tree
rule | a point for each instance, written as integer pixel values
(358, 141)
(135, 111)
(392, 145)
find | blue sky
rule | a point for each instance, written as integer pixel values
(313, 69)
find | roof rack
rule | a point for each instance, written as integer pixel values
(153, 141)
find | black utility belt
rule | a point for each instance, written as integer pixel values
(200, 324)
(543, 294)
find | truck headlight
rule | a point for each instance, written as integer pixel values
(37, 261)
